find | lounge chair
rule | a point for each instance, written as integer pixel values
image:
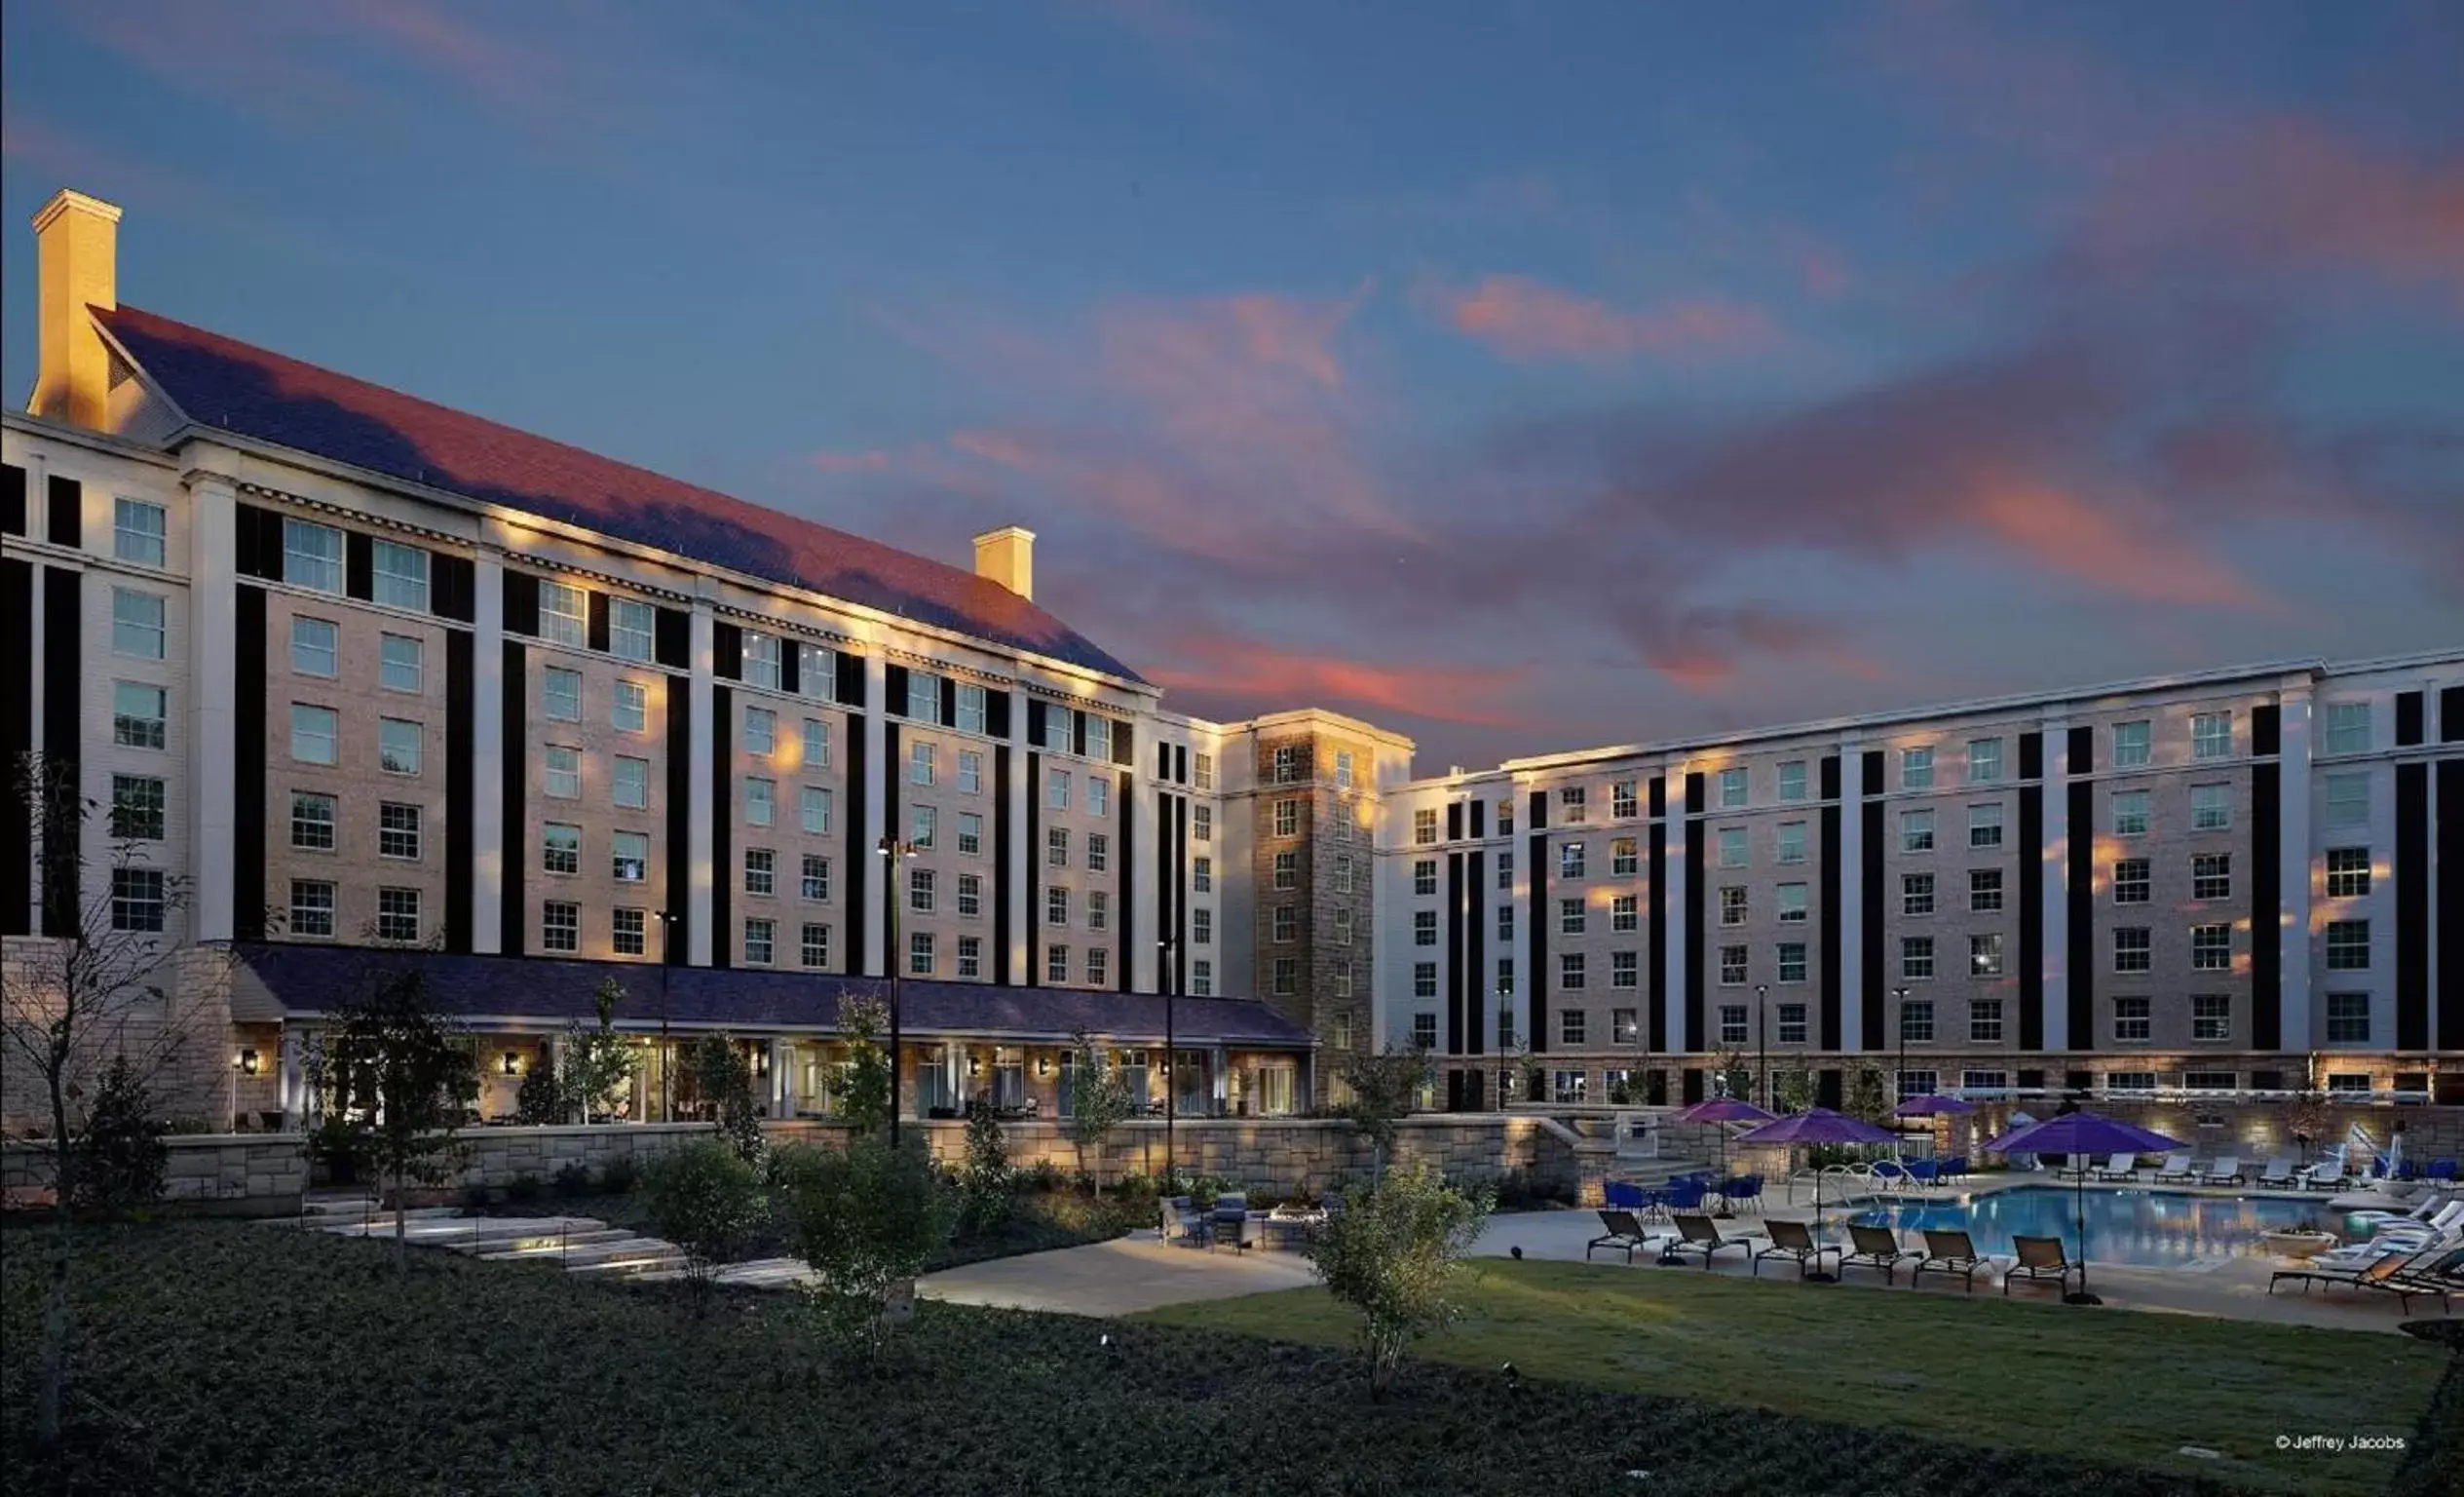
(1949, 1251)
(2327, 1175)
(2226, 1170)
(2078, 1167)
(2120, 1166)
(1698, 1233)
(1876, 1248)
(2039, 1259)
(1232, 1223)
(2279, 1171)
(2398, 1273)
(1793, 1239)
(1891, 1174)
(1622, 1230)
(2177, 1167)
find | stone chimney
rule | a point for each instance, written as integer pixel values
(1007, 556)
(78, 243)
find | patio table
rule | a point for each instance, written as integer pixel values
(1286, 1223)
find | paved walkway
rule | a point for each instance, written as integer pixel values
(1121, 1277)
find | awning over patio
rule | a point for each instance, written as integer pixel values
(540, 992)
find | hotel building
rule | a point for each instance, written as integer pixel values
(364, 680)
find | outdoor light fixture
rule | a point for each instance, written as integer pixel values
(1043, 1065)
(512, 1062)
(245, 1062)
(975, 1065)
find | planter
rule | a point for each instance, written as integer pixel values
(2298, 1244)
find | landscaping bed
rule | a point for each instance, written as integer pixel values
(218, 1358)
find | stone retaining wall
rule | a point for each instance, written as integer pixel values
(239, 1174)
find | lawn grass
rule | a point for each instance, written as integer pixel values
(2121, 1385)
(220, 1358)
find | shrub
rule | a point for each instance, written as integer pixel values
(984, 1183)
(708, 1198)
(119, 1154)
(621, 1174)
(1043, 1174)
(541, 1099)
(864, 1095)
(522, 1189)
(573, 1178)
(473, 1198)
(726, 1078)
(1391, 1255)
(866, 1218)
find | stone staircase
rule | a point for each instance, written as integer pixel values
(581, 1245)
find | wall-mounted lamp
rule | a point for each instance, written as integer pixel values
(761, 1062)
(975, 1065)
(245, 1062)
(1043, 1065)
(512, 1062)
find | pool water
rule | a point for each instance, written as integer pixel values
(2147, 1228)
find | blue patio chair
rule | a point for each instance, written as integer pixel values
(2441, 1169)
(1954, 1166)
(1685, 1193)
(1924, 1172)
(1618, 1195)
(1744, 1193)
(1891, 1174)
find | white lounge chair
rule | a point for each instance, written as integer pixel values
(2226, 1170)
(2279, 1171)
(2328, 1173)
(2177, 1167)
(2120, 1166)
(2406, 1244)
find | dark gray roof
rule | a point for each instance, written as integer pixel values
(310, 979)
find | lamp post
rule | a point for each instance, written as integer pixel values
(667, 1059)
(895, 853)
(1167, 948)
(1762, 1038)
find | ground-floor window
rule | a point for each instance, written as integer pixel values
(1276, 1085)
(1569, 1085)
(1916, 1084)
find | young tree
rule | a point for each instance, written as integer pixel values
(865, 1098)
(598, 1062)
(1099, 1100)
(708, 1198)
(541, 1102)
(984, 1183)
(1733, 1077)
(726, 1078)
(403, 1077)
(1383, 1090)
(1792, 1091)
(1870, 1094)
(119, 1154)
(866, 1219)
(93, 991)
(1391, 1255)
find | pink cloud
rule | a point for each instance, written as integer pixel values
(1223, 666)
(1526, 319)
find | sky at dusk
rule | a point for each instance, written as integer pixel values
(1518, 377)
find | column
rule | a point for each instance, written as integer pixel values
(2054, 900)
(1140, 809)
(1022, 855)
(1219, 1070)
(487, 751)
(214, 622)
(875, 792)
(1851, 953)
(782, 1078)
(706, 736)
(294, 1083)
(2292, 883)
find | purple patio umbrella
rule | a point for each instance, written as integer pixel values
(1818, 1125)
(1931, 1105)
(1724, 1110)
(2081, 1134)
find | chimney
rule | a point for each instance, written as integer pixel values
(1007, 556)
(78, 243)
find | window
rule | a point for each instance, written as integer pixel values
(1732, 966)
(1424, 1030)
(1915, 832)
(1916, 769)
(2211, 876)
(1570, 859)
(2210, 1016)
(140, 714)
(920, 758)
(812, 945)
(629, 786)
(2131, 1024)
(1201, 927)
(1058, 734)
(1571, 807)
(1287, 818)
(630, 856)
(1569, 917)
(1624, 912)
(2131, 881)
(2212, 736)
(1505, 815)
(1624, 971)
(813, 809)
(1733, 788)
(2130, 813)
(397, 746)
(138, 899)
(761, 732)
(559, 926)
(2131, 745)
(819, 675)
(2348, 727)
(813, 880)
(1733, 1023)
(1623, 861)
(1424, 979)
(2348, 945)
(2348, 1081)
(564, 614)
(1733, 847)
(312, 821)
(1099, 909)
(398, 914)
(1505, 989)
(137, 532)
(2348, 800)
(396, 831)
(401, 575)
(1985, 826)
(1423, 925)
(1287, 873)
(924, 697)
(2347, 872)
(315, 646)
(924, 823)
(312, 908)
(922, 890)
(1506, 870)
(1056, 789)
(1791, 961)
(2130, 1081)
(761, 941)
(1985, 761)
(761, 798)
(1287, 764)
(1202, 770)
(1570, 1027)
(1343, 769)
(1056, 906)
(561, 694)
(1733, 904)
(1505, 924)
(2348, 1019)
(1423, 874)
(2131, 949)
(1621, 801)
(136, 624)
(1202, 875)
(970, 834)
(631, 628)
(1202, 978)
(759, 663)
(970, 708)
(1056, 846)
(1985, 1021)
(1985, 956)
(1792, 842)
(400, 665)
(1202, 823)
(1916, 957)
(970, 762)
(631, 711)
(1917, 1021)
(136, 808)
(1915, 894)
(561, 849)
(1984, 891)
(2211, 807)
(312, 555)
(1570, 970)
(761, 871)
(1287, 975)
(970, 956)
(564, 772)
(1791, 780)
(1791, 903)
(1057, 964)
(1792, 1023)
(314, 732)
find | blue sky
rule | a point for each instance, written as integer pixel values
(1516, 377)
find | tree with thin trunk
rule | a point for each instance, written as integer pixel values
(90, 992)
(1099, 1100)
(404, 1078)
(864, 1097)
(599, 1062)
(1383, 1088)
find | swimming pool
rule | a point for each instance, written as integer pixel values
(2148, 1228)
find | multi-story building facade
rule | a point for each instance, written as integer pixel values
(355, 673)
